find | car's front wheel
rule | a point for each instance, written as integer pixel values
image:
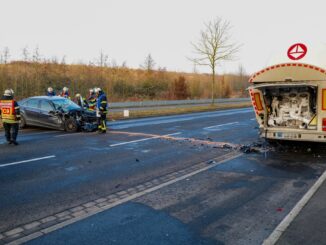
(71, 125)
(22, 123)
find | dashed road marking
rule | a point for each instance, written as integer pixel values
(220, 125)
(281, 228)
(140, 140)
(69, 134)
(25, 161)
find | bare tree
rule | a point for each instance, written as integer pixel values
(242, 80)
(25, 53)
(103, 59)
(5, 55)
(124, 64)
(63, 60)
(214, 46)
(36, 55)
(148, 64)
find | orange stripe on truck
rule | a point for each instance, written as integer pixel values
(258, 102)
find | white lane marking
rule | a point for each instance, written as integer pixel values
(68, 134)
(253, 119)
(134, 141)
(221, 125)
(281, 228)
(25, 161)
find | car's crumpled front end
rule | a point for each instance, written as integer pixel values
(76, 120)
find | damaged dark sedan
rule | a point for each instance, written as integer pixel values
(57, 113)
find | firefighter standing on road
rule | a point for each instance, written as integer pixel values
(50, 92)
(79, 100)
(10, 114)
(101, 110)
(91, 100)
(65, 93)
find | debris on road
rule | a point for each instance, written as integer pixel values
(249, 149)
(211, 162)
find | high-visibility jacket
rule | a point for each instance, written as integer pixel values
(91, 103)
(9, 110)
(65, 95)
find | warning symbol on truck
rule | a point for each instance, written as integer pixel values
(297, 51)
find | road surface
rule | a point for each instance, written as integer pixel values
(165, 180)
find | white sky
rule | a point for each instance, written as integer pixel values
(128, 30)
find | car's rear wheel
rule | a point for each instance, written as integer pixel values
(22, 123)
(71, 125)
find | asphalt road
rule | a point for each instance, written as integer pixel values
(239, 200)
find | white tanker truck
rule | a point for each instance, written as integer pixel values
(289, 99)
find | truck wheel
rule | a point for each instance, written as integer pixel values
(71, 125)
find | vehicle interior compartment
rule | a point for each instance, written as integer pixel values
(291, 107)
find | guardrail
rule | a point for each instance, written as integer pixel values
(173, 102)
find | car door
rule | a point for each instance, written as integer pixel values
(31, 111)
(47, 116)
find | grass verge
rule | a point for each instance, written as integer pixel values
(175, 111)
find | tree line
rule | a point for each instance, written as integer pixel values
(120, 83)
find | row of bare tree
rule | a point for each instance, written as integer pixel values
(120, 83)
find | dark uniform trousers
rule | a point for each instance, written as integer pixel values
(11, 131)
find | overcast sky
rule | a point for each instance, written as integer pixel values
(128, 30)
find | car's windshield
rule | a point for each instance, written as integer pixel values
(65, 104)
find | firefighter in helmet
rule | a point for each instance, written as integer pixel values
(91, 100)
(50, 92)
(101, 110)
(79, 100)
(65, 93)
(10, 114)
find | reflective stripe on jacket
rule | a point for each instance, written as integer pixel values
(9, 109)
(91, 103)
(102, 103)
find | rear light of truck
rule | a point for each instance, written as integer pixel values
(324, 124)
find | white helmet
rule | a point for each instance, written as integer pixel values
(97, 90)
(77, 95)
(91, 91)
(50, 89)
(65, 89)
(8, 92)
